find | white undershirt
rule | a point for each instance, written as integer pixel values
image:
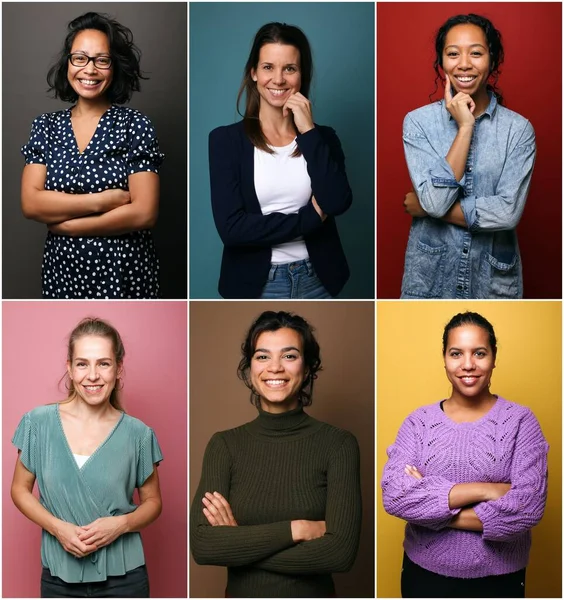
(80, 459)
(282, 184)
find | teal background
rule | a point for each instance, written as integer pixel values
(342, 94)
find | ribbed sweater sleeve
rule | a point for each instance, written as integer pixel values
(418, 501)
(223, 545)
(522, 507)
(336, 550)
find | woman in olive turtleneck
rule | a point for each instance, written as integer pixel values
(279, 499)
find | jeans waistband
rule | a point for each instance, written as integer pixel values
(292, 267)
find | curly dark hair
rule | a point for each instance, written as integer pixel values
(493, 37)
(470, 318)
(125, 59)
(272, 321)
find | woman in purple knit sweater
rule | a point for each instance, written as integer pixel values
(468, 474)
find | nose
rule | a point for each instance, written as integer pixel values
(464, 61)
(275, 366)
(93, 373)
(278, 77)
(468, 362)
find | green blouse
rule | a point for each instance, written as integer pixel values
(102, 487)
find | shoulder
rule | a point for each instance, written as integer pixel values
(235, 130)
(42, 413)
(516, 122)
(135, 427)
(131, 116)
(513, 411)
(334, 436)
(46, 120)
(425, 113)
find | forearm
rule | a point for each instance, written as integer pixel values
(147, 512)
(30, 507)
(466, 519)
(458, 153)
(124, 219)
(455, 216)
(46, 206)
(463, 494)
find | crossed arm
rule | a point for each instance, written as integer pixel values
(501, 511)
(292, 546)
(111, 212)
(83, 540)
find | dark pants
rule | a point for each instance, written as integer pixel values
(417, 582)
(134, 584)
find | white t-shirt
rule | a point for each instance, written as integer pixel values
(282, 184)
(80, 459)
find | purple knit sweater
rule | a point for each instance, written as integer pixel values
(505, 445)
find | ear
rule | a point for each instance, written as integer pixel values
(254, 75)
(69, 369)
(119, 370)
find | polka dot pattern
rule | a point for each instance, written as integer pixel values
(124, 143)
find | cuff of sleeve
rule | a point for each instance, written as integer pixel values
(310, 220)
(309, 140)
(444, 494)
(486, 514)
(468, 206)
(443, 176)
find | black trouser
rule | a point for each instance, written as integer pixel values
(134, 584)
(417, 582)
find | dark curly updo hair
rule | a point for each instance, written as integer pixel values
(273, 321)
(125, 59)
(493, 37)
(470, 318)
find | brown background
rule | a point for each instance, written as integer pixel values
(343, 396)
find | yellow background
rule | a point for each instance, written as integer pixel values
(528, 371)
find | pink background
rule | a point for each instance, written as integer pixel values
(34, 347)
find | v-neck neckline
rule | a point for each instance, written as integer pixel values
(73, 134)
(98, 448)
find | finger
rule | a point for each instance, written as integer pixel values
(448, 92)
(472, 105)
(213, 510)
(211, 519)
(226, 505)
(222, 511)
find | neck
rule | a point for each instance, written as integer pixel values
(273, 119)
(91, 108)
(277, 408)
(81, 409)
(482, 101)
(480, 401)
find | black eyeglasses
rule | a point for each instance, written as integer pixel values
(81, 60)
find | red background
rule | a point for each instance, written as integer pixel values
(531, 83)
(34, 344)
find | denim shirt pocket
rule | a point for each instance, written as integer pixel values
(499, 279)
(424, 271)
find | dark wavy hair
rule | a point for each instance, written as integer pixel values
(470, 318)
(493, 37)
(271, 33)
(125, 59)
(273, 321)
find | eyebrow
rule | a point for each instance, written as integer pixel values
(265, 62)
(469, 46)
(86, 359)
(473, 349)
(287, 349)
(86, 54)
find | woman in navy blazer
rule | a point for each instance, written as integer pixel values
(278, 117)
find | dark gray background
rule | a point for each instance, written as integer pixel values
(32, 36)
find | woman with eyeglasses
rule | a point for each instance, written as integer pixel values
(91, 171)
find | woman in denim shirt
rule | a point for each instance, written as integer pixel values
(470, 160)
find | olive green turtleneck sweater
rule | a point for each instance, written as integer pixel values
(273, 470)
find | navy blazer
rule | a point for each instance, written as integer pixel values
(248, 235)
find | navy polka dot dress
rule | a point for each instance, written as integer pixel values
(124, 143)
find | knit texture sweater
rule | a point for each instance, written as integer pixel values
(275, 469)
(505, 446)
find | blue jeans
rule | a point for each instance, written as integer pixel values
(134, 584)
(293, 280)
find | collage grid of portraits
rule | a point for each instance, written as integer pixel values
(381, 355)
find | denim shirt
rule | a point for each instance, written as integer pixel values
(480, 260)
